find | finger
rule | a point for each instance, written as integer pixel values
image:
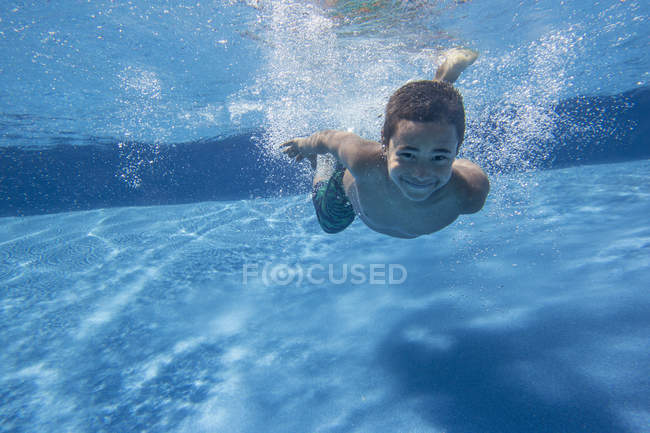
(299, 158)
(290, 143)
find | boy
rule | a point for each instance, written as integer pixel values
(411, 184)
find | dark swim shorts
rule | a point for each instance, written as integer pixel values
(333, 208)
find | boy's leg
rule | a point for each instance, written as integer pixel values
(333, 208)
(456, 60)
(323, 166)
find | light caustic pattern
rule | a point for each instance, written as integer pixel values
(67, 287)
(138, 319)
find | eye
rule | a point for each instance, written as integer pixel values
(405, 155)
(440, 158)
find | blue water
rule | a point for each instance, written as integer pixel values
(217, 314)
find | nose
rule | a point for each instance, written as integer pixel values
(422, 172)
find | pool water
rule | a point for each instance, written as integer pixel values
(529, 316)
(240, 314)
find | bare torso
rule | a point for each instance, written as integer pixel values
(412, 188)
(381, 205)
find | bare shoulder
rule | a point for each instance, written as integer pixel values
(472, 185)
(362, 157)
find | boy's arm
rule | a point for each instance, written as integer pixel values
(474, 186)
(354, 152)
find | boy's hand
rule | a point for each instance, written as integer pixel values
(298, 148)
(355, 153)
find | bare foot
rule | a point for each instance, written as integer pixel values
(456, 60)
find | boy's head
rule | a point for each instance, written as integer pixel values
(424, 101)
(423, 129)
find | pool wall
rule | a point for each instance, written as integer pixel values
(50, 179)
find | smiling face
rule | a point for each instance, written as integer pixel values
(420, 155)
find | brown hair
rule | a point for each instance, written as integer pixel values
(424, 101)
